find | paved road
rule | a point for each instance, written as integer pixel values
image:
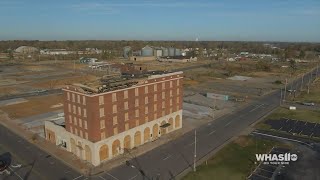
(36, 164)
(169, 160)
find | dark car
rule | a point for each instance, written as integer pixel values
(3, 165)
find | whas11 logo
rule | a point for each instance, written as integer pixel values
(276, 158)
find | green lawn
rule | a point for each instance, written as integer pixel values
(313, 96)
(299, 114)
(234, 161)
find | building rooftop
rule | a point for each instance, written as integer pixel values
(107, 83)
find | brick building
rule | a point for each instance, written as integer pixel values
(100, 123)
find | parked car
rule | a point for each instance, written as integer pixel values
(3, 165)
(308, 103)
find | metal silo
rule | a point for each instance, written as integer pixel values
(171, 51)
(178, 52)
(147, 51)
(165, 52)
(126, 51)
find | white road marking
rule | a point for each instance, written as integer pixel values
(112, 176)
(166, 157)
(102, 177)
(78, 177)
(256, 107)
(16, 174)
(133, 177)
(212, 132)
(228, 124)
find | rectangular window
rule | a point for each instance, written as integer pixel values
(71, 130)
(155, 107)
(163, 113)
(85, 125)
(84, 112)
(170, 84)
(75, 121)
(136, 102)
(178, 100)
(114, 108)
(136, 92)
(102, 124)
(136, 113)
(146, 89)
(126, 105)
(146, 100)
(170, 93)
(127, 126)
(76, 131)
(178, 82)
(163, 86)
(163, 104)
(146, 110)
(79, 111)
(86, 135)
(80, 123)
(155, 116)
(115, 130)
(178, 107)
(81, 135)
(103, 135)
(114, 97)
(125, 94)
(170, 110)
(178, 91)
(70, 119)
(146, 119)
(155, 97)
(74, 109)
(115, 120)
(101, 100)
(137, 123)
(84, 100)
(101, 112)
(69, 107)
(78, 99)
(73, 97)
(155, 88)
(163, 95)
(68, 96)
(170, 102)
(126, 116)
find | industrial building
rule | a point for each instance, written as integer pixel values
(149, 53)
(26, 49)
(103, 119)
(180, 59)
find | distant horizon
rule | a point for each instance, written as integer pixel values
(165, 20)
(262, 41)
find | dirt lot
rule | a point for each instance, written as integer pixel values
(34, 106)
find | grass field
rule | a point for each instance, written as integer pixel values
(313, 96)
(234, 161)
(299, 114)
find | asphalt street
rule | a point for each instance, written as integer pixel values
(35, 163)
(169, 160)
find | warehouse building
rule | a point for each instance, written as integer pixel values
(102, 121)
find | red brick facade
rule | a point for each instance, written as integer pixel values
(97, 127)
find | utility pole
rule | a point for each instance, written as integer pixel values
(285, 90)
(301, 82)
(195, 150)
(280, 96)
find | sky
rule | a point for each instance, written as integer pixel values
(216, 20)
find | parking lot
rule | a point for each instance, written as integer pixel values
(267, 171)
(295, 127)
